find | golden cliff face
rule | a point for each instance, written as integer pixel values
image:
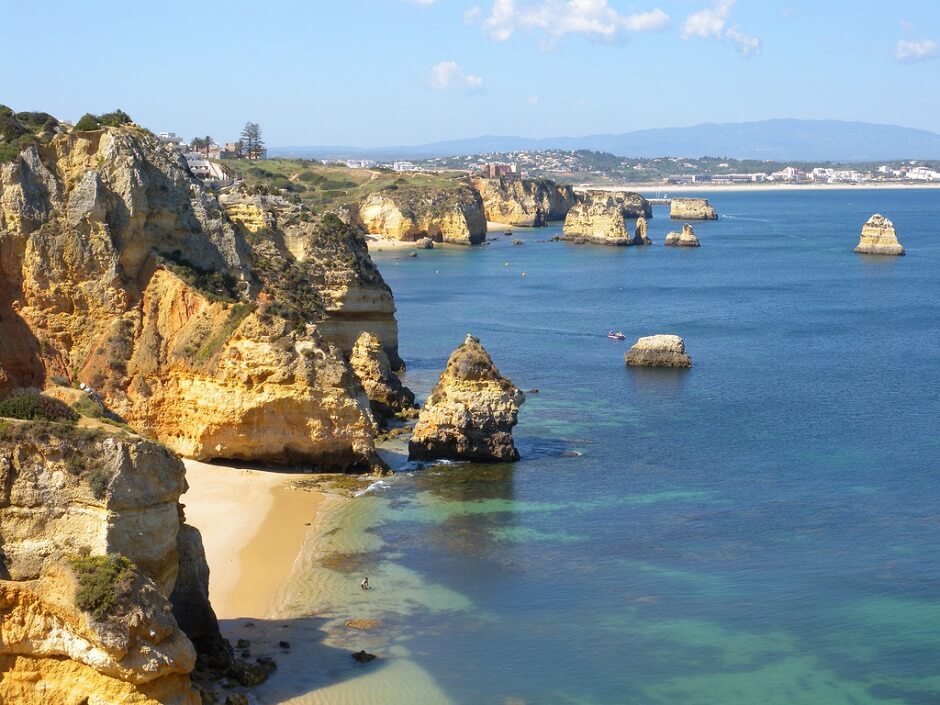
(221, 339)
(524, 202)
(452, 215)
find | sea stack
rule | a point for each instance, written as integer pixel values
(387, 395)
(692, 209)
(639, 235)
(658, 351)
(471, 411)
(684, 239)
(878, 238)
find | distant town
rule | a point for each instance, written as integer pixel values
(206, 161)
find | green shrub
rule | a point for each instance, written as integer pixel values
(98, 481)
(115, 119)
(87, 122)
(86, 406)
(103, 583)
(37, 407)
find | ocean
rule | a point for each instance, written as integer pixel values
(762, 529)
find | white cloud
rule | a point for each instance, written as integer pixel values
(446, 75)
(710, 24)
(560, 17)
(747, 44)
(472, 14)
(909, 52)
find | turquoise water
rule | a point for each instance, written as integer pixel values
(761, 529)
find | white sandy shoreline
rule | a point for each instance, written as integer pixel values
(711, 188)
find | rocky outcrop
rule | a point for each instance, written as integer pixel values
(524, 202)
(639, 235)
(692, 209)
(453, 214)
(98, 627)
(658, 351)
(221, 339)
(471, 411)
(632, 204)
(878, 237)
(386, 393)
(424, 243)
(684, 239)
(599, 218)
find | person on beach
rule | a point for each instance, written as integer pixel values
(365, 584)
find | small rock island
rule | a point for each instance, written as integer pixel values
(692, 209)
(600, 218)
(471, 411)
(684, 239)
(658, 351)
(879, 238)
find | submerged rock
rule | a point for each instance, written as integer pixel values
(878, 237)
(684, 239)
(470, 413)
(658, 351)
(692, 209)
(363, 656)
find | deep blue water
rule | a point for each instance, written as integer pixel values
(762, 528)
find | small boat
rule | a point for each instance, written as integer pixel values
(616, 336)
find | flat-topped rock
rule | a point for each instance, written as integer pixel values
(658, 351)
(684, 239)
(470, 413)
(879, 238)
(692, 209)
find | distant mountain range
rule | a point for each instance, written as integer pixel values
(777, 140)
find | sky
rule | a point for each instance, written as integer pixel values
(400, 72)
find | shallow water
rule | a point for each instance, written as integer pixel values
(762, 528)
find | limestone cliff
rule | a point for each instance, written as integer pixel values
(89, 522)
(222, 340)
(692, 209)
(471, 411)
(879, 238)
(686, 238)
(386, 393)
(451, 214)
(524, 202)
(600, 217)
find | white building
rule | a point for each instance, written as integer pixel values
(360, 163)
(203, 169)
(789, 174)
(405, 166)
(172, 139)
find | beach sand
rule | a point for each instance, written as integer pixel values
(711, 188)
(253, 526)
(377, 242)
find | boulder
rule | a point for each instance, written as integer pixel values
(471, 411)
(658, 351)
(424, 243)
(878, 237)
(692, 209)
(684, 239)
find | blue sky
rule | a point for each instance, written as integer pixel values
(387, 72)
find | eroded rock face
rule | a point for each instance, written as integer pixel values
(658, 351)
(639, 235)
(64, 489)
(879, 238)
(221, 339)
(692, 209)
(67, 492)
(386, 393)
(453, 215)
(471, 411)
(600, 218)
(684, 239)
(524, 202)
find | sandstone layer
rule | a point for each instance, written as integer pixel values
(524, 202)
(879, 238)
(658, 351)
(471, 411)
(221, 338)
(453, 214)
(386, 393)
(599, 218)
(684, 239)
(692, 209)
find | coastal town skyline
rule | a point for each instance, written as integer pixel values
(443, 69)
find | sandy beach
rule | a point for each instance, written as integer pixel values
(377, 242)
(253, 525)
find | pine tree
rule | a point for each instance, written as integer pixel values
(251, 142)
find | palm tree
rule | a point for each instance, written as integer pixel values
(206, 144)
(197, 144)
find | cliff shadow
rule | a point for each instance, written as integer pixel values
(20, 361)
(307, 663)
